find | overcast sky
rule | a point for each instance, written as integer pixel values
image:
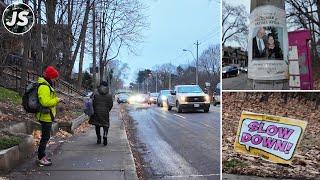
(174, 25)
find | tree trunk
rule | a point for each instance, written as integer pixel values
(66, 68)
(24, 71)
(50, 58)
(94, 46)
(318, 9)
(83, 44)
(71, 59)
(39, 34)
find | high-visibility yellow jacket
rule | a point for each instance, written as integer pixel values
(47, 98)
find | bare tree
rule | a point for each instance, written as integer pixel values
(209, 60)
(121, 24)
(234, 24)
(306, 14)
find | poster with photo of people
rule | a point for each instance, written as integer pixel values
(268, 44)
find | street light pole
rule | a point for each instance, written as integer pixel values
(156, 82)
(197, 75)
(196, 59)
(147, 84)
(170, 80)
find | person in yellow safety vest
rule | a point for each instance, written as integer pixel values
(48, 100)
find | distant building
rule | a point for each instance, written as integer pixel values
(9, 43)
(11, 46)
(234, 56)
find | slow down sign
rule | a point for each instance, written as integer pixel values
(273, 138)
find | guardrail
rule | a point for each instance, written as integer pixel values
(10, 77)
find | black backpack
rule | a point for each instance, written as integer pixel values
(30, 101)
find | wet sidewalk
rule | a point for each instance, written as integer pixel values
(82, 158)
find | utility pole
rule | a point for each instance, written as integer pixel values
(170, 77)
(170, 80)
(257, 3)
(265, 72)
(148, 84)
(197, 60)
(156, 82)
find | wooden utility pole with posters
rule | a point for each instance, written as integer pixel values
(266, 84)
(257, 3)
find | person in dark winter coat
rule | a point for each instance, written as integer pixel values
(102, 105)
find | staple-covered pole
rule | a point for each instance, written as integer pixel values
(268, 67)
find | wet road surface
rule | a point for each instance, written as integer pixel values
(236, 83)
(179, 146)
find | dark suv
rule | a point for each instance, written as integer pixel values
(229, 71)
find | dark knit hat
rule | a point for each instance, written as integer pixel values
(51, 73)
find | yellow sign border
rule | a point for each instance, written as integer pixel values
(271, 118)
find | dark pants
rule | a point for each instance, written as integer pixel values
(45, 136)
(105, 131)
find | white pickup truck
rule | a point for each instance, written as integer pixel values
(188, 97)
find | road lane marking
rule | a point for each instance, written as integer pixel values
(180, 116)
(162, 113)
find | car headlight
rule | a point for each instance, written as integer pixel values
(224, 71)
(207, 98)
(182, 98)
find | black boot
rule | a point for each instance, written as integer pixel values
(105, 141)
(99, 140)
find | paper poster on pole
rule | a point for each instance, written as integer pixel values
(268, 44)
(273, 138)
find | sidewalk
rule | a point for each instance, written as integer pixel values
(82, 158)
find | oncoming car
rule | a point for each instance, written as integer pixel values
(216, 95)
(162, 98)
(153, 98)
(188, 97)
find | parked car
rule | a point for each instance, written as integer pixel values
(122, 98)
(153, 98)
(229, 71)
(216, 95)
(188, 97)
(162, 98)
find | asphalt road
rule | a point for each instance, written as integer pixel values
(179, 146)
(236, 83)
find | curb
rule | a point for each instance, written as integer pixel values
(10, 158)
(28, 127)
(129, 175)
(74, 124)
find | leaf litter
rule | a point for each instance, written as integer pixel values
(306, 161)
